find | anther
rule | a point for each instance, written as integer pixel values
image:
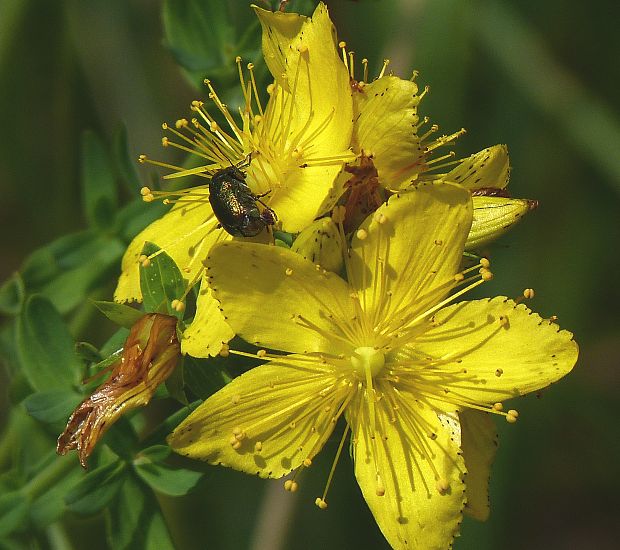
(250, 66)
(237, 60)
(288, 271)
(181, 123)
(270, 88)
(459, 277)
(486, 274)
(177, 305)
(307, 462)
(342, 44)
(165, 141)
(503, 320)
(142, 159)
(442, 486)
(498, 407)
(528, 293)
(511, 416)
(361, 234)
(261, 353)
(145, 191)
(485, 263)
(499, 372)
(291, 485)
(303, 48)
(321, 503)
(145, 262)
(258, 447)
(380, 217)
(224, 351)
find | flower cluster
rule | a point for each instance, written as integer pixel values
(360, 319)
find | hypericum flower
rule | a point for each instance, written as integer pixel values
(296, 144)
(149, 357)
(397, 149)
(390, 351)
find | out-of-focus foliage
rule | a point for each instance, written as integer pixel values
(537, 76)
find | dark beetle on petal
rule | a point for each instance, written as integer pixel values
(235, 205)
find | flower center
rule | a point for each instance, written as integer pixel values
(367, 360)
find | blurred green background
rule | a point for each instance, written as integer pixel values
(538, 76)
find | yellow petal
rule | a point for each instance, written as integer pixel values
(265, 422)
(386, 114)
(494, 216)
(493, 350)
(487, 169)
(309, 116)
(479, 444)
(409, 247)
(209, 330)
(421, 474)
(186, 233)
(263, 291)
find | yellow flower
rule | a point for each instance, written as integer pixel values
(149, 357)
(297, 144)
(390, 351)
(397, 149)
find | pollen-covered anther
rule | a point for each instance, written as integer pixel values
(144, 261)
(438, 242)
(224, 351)
(261, 353)
(485, 263)
(302, 48)
(181, 123)
(528, 293)
(142, 159)
(165, 141)
(499, 372)
(486, 274)
(258, 446)
(503, 320)
(322, 504)
(271, 88)
(498, 407)
(380, 217)
(291, 485)
(177, 305)
(307, 462)
(361, 234)
(442, 486)
(459, 277)
(213, 126)
(511, 416)
(288, 271)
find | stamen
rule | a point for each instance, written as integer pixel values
(386, 62)
(322, 502)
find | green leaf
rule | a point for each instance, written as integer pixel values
(115, 343)
(53, 406)
(50, 505)
(12, 294)
(13, 512)
(99, 189)
(45, 347)
(175, 383)
(155, 453)
(121, 314)
(87, 352)
(204, 38)
(205, 376)
(66, 269)
(169, 481)
(122, 439)
(158, 436)
(123, 161)
(96, 489)
(134, 520)
(161, 282)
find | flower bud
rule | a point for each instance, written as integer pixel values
(149, 357)
(320, 243)
(493, 216)
(487, 169)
